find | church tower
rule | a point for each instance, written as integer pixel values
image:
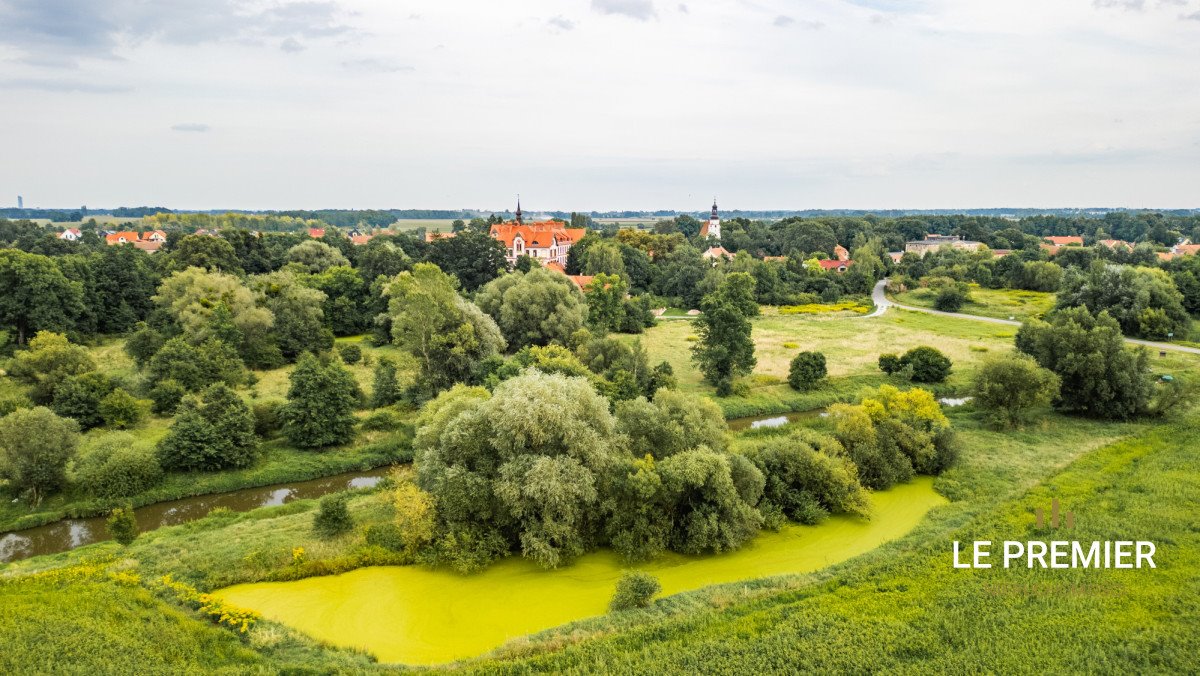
(519, 221)
(713, 227)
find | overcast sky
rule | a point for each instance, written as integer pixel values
(600, 104)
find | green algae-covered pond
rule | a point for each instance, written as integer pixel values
(418, 615)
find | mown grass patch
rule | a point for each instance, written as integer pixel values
(998, 303)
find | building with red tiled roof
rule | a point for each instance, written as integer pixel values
(581, 280)
(123, 237)
(435, 236)
(149, 246)
(359, 240)
(70, 234)
(715, 252)
(316, 233)
(155, 236)
(840, 253)
(1116, 243)
(839, 266)
(1065, 241)
(712, 228)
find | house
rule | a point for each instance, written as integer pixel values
(70, 235)
(712, 228)
(155, 236)
(360, 240)
(775, 259)
(1001, 253)
(581, 281)
(316, 233)
(935, 242)
(896, 256)
(149, 246)
(1115, 244)
(840, 253)
(122, 237)
(1071, 240)
(434, 236)
(837, 265)
(716, 252)
(1185, 248)
(544, 240)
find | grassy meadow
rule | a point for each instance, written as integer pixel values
(998, 303)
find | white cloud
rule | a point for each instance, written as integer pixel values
(642, 10)
(192, 127)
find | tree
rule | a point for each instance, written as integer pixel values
(384, 390)
(321, 403)
(538, 307)
(606, 302)
(314, 256)
(604, 258)
(1012, 387)
(143, 343)
(124, 285)
(211, 432)
(35, 446)
(725, 349)
(48, 362)
(333, 516)
(380, 258)
(474, 258)
(299, 322)
(122, 525)
(950, 299)
(195, 367)
(79, 397)
(521, 465)
(208, 305)
(37, 296)
(807, 369)
(635, 589)
(449, 336)
(709, 512)
(345, 293)
(415, 515)
(673, 423)
(805, 483)
(350, 353)
(928, 364)
(892, 434)
(203, 252)
(1100, 377)
(1143, 301)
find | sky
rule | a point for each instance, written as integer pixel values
(600, 104)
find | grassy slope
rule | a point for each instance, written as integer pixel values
(903, 608)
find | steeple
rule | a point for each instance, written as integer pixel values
(714, 211)
(713, 227)
(519, 221)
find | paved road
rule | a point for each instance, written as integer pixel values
(882, 303)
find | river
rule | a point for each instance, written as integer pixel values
(61, 536)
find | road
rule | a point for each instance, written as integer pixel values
(882, 303)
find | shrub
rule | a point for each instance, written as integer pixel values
(382, 421)
(35, 446)
(635, 589)
(268, 417)
(214, 431)
(1012, 387)
(122, 525)
(121, 410)
(166, 396)
(79, 397)
(13, 402)
(928, 364)
(805, 483)
(384, 390)
(950, 299)
(807, 369)
(333, 516)
(791, 346)
(351, 353)
(922, 364)
(113, 466)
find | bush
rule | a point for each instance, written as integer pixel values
(387, 536)
(333, 516)
(166, 396)
(950, 299)
(268, 417)
(635, 589)
(922, 364)
(212, 432)
(121, 410)
(79, 397)
(351, 353)
(113, 466)
(928, 364)
(122, 525)
(382, 421)
(13, 402)
(1012, 387)
(808, 368)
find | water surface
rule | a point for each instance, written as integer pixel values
(418, 615)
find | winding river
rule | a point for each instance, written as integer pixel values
(423, 616)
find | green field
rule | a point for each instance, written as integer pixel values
(998, 303)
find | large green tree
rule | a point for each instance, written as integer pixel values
(35, 446)
(725, 349)
(321, 402)
(1144, 301)
(211, 432)
(474, 258)
(1100, 376)
(538, 307)
(448, 335)
(36, 295)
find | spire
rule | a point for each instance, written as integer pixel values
(714, 211)
(519, 210)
